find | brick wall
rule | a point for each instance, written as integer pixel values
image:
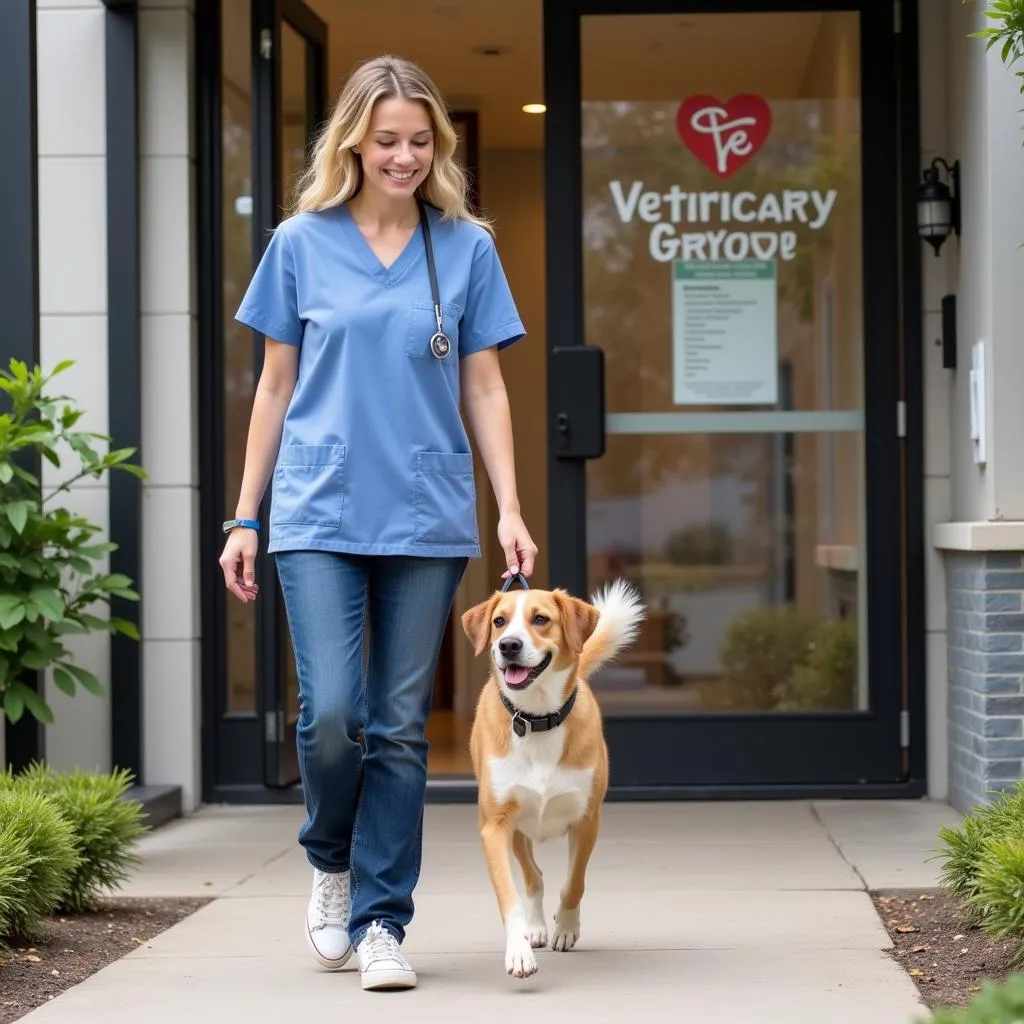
(985, 655)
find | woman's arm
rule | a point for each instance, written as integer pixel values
(487, 409)
(270, 403)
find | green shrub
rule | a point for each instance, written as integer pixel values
(105, 826)
(14, 868)
(827, 680)
(40, 842)
(49, 584)
(995, 1004)
(710, 544)
(964, 850)
(759, 652)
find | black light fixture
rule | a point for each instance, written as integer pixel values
(938, 208)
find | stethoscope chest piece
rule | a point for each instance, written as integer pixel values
(440, 345)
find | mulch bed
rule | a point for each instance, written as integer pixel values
(74, 946)
(947, 958)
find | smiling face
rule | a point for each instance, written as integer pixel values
(398, 148)
(531, 634)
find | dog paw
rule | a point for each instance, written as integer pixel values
(536, 929)
(567, 929)
(519, 959)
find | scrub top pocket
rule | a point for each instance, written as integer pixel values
(423, 326)
(445, 507)
(309, 485)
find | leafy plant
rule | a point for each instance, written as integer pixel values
(49, 586)
(1009, 30)
(983, 864)
(760, 650)
(38, 842)
(828, 678)
(105, 827)
(961, 850)
(995, 1004)
(710, 544)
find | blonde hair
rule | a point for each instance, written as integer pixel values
(335, 174)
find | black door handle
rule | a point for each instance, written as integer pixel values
(576, 373)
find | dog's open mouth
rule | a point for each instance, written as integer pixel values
(518, 677)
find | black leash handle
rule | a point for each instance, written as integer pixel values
(518, 577)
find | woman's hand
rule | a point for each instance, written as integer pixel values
(516, 542)
(238, 562)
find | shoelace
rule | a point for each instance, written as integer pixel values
(332, 902)
(382, 945)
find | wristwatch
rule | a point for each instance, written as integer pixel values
(249, 524)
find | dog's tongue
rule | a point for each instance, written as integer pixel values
(515, 675)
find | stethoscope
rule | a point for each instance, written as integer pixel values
(440, 346)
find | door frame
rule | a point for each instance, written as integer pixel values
(650, 752)
(247, 757)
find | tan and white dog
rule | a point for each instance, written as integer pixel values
(538, 746)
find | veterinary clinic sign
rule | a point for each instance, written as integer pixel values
(724, 137)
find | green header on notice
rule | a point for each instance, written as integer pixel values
(724, 270)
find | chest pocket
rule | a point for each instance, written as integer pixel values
(423, 326)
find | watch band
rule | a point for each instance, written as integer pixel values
(249, 524)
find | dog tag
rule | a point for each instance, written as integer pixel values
(520, 725)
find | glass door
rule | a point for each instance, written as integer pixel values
(724, 245)
(289, 62)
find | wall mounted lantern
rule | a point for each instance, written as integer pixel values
(938, 208)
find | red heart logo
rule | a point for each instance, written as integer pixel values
(724, 136)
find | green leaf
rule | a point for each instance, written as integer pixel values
(68, 626)
(41, 711)
(115, 581)
(35, 660)
(49, 602)
(11, 618)
(14, 703)
(6, 472)
(87, 679)
(64, 681)
(129, 629)
(17, 514)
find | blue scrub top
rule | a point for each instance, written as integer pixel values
(374, 457)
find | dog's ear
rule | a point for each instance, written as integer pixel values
(579, 619)
(476, 623)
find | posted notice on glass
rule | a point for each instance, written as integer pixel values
(724, 332)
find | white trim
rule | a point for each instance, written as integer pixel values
(774, 422)
(1007, 536)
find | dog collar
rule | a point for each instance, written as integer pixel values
(523, 722)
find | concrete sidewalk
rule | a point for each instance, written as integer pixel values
(725, 912)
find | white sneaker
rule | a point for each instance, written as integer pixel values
(381, 962)
(327, 919)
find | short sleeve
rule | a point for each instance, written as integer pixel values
(270, 303)
(490, 317)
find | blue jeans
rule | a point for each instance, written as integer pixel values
(365, 807)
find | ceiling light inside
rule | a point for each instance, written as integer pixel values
(534, 108)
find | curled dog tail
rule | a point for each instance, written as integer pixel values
(621, 612)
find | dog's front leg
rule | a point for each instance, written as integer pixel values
(582, 839)
(497, 840)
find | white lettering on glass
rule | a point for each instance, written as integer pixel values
(730, 137)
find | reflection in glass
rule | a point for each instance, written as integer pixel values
(295, 118)
(746, 542)
(236, 157)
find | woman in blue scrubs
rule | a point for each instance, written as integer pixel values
(383, 303)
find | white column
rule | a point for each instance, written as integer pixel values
(170, 536)
(73, 304)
